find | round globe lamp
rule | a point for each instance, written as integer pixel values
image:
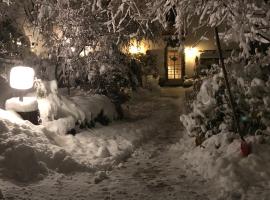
(22, 78)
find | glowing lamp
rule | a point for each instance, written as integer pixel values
(191, 53)
(134, 49)
(137, 47)
(22, 78)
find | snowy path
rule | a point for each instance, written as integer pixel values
(154, 171)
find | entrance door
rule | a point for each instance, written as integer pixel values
(173, 64)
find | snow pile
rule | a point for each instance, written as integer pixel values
(60, 113)
(219, 158)
(28, 104)
(18, 157)
(60, 126)
(54, 106)
(11, 116)
(30, 152)
(103, 147)
(21, 162)
(95, 104)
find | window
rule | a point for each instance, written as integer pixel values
(173, 64)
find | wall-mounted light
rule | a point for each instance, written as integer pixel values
(22, 78)
(191, 53)
(134, 49)
(137, 47)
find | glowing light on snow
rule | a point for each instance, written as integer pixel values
(22, 78)
(191, 53)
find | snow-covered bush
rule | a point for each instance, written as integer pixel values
(211, 112)
(60, 113)
(53, 105)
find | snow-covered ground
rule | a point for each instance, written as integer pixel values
(220, 159)
(154, 171)
(117, 162)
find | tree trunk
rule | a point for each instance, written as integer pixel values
(227, 84)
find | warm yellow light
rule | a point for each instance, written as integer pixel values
(22, 78)
(134, 49)
(191, 53)
(136, 46)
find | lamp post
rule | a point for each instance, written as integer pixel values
(22, 78)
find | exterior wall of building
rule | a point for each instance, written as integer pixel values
(195, 41)
(158, 49)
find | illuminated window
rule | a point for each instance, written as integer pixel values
(173, 64)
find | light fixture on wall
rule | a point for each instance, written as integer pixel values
(134, 49)
(137, 47)
(191, 53)
(22, 78)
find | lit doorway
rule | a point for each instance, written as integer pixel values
(173, 65)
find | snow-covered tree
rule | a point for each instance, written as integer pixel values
(241, 21)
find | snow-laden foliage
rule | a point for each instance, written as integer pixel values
(250, 81)
(71, 26)
(241, 21)
(71, 29)
(13, 41)
(78, 38)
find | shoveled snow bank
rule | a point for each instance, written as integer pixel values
(93, 105)
(19, 145)
(220, 158)
(30, 152)
(103, 147)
